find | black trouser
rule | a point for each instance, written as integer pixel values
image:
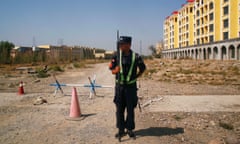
(125, 98)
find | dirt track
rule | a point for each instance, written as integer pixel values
(22, 122)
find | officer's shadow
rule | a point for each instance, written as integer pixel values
(158, 131)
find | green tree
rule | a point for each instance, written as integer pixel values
(153, 50)
(5, 51)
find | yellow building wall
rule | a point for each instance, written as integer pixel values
(217, 20)
(168, 33)
(176, 34)
(233, 20)
(191, 26)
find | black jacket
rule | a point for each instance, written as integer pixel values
(126, 64)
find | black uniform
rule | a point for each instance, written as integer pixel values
(125, 92)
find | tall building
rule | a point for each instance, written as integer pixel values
(200, 22)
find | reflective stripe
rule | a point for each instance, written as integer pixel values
(131, 82)
(129, 72)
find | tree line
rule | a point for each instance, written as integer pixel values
(41, 56)
(29, 57)
(5, 52)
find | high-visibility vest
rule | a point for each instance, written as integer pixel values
(122, 78)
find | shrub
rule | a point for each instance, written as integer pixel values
(57, 68)
(226, 125)
(42, 74)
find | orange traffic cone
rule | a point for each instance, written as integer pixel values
(20, 89)
(75, 112)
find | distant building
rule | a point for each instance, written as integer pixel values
(99, 53)
(22, 49)
(203, 22)
(109, 54)
(103, 54)
(69, 52)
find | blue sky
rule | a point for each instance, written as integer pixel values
(84, 22)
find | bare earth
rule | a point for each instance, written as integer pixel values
(173, 111)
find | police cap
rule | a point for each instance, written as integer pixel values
(125, 39)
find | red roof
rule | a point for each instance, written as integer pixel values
(190, 1)
(175, 12)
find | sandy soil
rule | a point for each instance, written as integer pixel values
(163, 121)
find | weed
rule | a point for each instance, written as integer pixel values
(42, 74)
(235, 70)
(226, 125)
(76, 65)
(185, 71)
(57, 68)
(150, 71)
(178, 118)
(165, 74)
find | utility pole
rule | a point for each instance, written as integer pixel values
(140, 47)
(33, 44)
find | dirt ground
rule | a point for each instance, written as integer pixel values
(173, 111)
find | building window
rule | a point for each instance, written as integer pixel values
(211, 38)
(198, 41)
(175, 19)
(187, 27)
(225, 23)
(225, 0)
(225, 10)
(198, 13)
(211, 28)
(202, 12)
(211, 6)
(225, 35)
(198, 32)
(198, 22)
(191, 10)
(211, 16)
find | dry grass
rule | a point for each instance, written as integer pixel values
(201, 72)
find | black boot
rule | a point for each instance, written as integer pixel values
(119, 135)
(131, 134)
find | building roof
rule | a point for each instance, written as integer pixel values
(44, 46)
(174, 12)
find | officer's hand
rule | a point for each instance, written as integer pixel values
(116, 70)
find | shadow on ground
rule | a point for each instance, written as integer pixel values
(158, 131)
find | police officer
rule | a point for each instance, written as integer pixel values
(127, 69)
